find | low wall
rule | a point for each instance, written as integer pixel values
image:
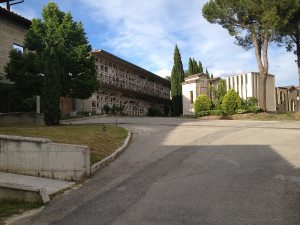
(42, 157)
(21, 118)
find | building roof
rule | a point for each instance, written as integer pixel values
(145, 73)
(288, 87)
(15, 17)
(214, 79)
(193, 78)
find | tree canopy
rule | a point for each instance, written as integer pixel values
(252, 23)
(77, 67)
(57, 62)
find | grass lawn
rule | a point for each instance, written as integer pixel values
(11, 207)
(102, 142)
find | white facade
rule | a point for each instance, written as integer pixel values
(188, 98)
(247, 85)
(192, 87)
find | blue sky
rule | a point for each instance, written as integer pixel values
(145, 33)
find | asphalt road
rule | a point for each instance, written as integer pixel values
(184, 172)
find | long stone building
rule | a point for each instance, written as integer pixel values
(126, 85)
(13, 28)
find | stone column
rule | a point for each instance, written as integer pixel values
(37, 104)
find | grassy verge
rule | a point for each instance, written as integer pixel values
(267, 116)
(11, 207)
(263, 116)
(103, 139)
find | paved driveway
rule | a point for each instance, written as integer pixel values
(182, 172)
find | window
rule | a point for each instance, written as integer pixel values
(191, 96)
(18, 47)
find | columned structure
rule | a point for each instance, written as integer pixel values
(247, 85)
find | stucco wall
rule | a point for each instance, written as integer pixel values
(11, 33)
(188, 107)
(42, 157)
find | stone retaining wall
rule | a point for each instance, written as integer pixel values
(41, 157)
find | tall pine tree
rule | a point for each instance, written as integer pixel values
(177, 77)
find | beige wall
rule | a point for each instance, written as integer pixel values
(11, 33)
(188, 107)
(42, 157)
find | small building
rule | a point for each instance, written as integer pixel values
(287, 99)
(13, 28)
(126, 85)
(247, 85)
(193, 86)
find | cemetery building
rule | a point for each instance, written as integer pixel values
(193, 86)
(247, 85)
(287, 99)
(127, 86)
(13, 28)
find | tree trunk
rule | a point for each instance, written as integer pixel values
(263, 65)
(298, 56)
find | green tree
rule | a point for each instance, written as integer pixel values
(289, 34)
(195, 67)
(55, 36)
(252, 23)
(177, 77)
(207, 73)
(200, 67)
(190, 70)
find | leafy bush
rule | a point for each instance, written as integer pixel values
(231, 102)
(154, 112)
(210, 113)
(216, 112)
(250, 101)
(241, 111)
(203, 113)
(202, 103)
(255, 109)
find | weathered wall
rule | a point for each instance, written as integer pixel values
(21, 118)
(188, 106)
(11, 33)
(42, 157)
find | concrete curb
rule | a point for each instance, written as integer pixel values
(111, 157)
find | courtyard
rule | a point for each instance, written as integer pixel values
(186, 171)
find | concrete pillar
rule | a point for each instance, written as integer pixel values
(37, 104)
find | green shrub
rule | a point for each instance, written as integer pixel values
(231, 102)
(215, 112)
(202, 103)
(241, 111)
(203, 113)
(250, 101)
(255, 109)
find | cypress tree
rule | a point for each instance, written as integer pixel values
(177, 77)
(191, 66)
(200, 67)
(207, 73)
(195, 67)
(52, 90)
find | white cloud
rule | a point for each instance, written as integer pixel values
(145, 33)
(163, 73)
